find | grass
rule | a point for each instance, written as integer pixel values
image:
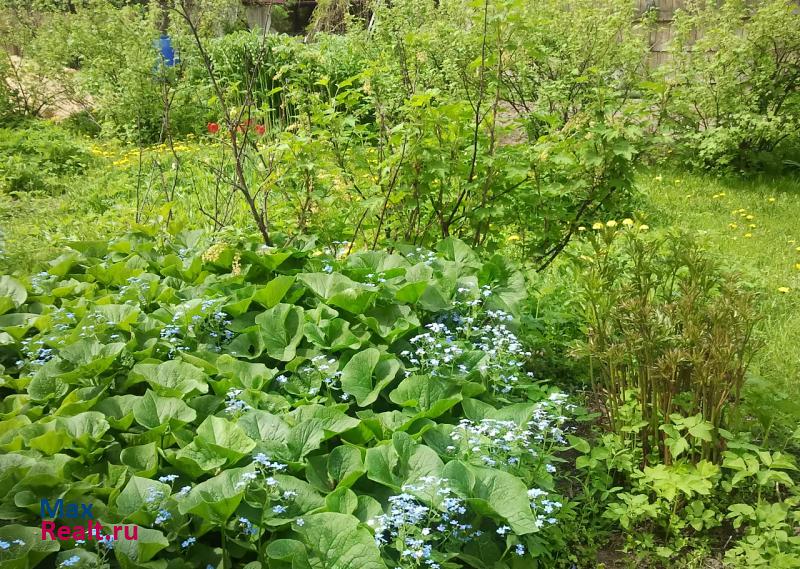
(754, 225)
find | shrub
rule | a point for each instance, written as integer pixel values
(38, 158)
(732, 96)
(670, 338)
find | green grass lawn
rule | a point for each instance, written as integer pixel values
(754, 224)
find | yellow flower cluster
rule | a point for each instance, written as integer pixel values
(612, 223)
(212, 253)
(100, 151)
(236, 264)
(742, 213)
(132, 155)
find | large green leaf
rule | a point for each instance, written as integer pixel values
(390, 321)
(274, 291)
(289, 550)
(90, 357)
(268, 430)
(225, 438)
(423, 393)
(345, 466)
(456, 250)
(12, 294)
(493, 493)
(123, 316)
(334, 335)
(148, 542)
(338, 290)
(367, 373)
(339, 541)
(141, 459)
(155, 412)
(401, 461)
(244, 374)
(305, 438)
(139, 496)
(85, 428)
(172, 378)
(216, 498)
(33, 550)
(279, 331)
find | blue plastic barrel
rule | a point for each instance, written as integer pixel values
(164, 46)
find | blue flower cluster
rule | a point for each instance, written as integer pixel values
(321, 371)
(233, 405)
(435, 352)
(420, 521)
(438, 352)
(494, 443)
(421, 255)
(210, 326)
(543, 507)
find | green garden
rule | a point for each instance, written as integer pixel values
(418, 285)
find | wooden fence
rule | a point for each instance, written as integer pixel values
(662, 34)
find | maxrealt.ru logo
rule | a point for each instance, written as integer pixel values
(88, 529)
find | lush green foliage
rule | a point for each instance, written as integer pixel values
(145, 375)
(39, 159)
(668, 333)
(731, 92)
(333, 393)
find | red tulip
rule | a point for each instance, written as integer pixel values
(260, 129)
(213, 128)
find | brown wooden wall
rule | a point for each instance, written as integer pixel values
(659, 38)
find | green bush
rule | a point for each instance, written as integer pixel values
(730, 91)
(670, 335)
(37, 158)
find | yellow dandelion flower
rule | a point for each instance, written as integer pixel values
(611, 223)
(749, 217)
(784, 289)
(752, 226)
(797, 266)
(627, 222)
(511, 238)
(597, 225)
(581, 228)
(748, 235)
(658, 178)
(732, 225)
(771, 200)
(644, 227)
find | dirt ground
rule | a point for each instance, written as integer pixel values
(51, 98)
